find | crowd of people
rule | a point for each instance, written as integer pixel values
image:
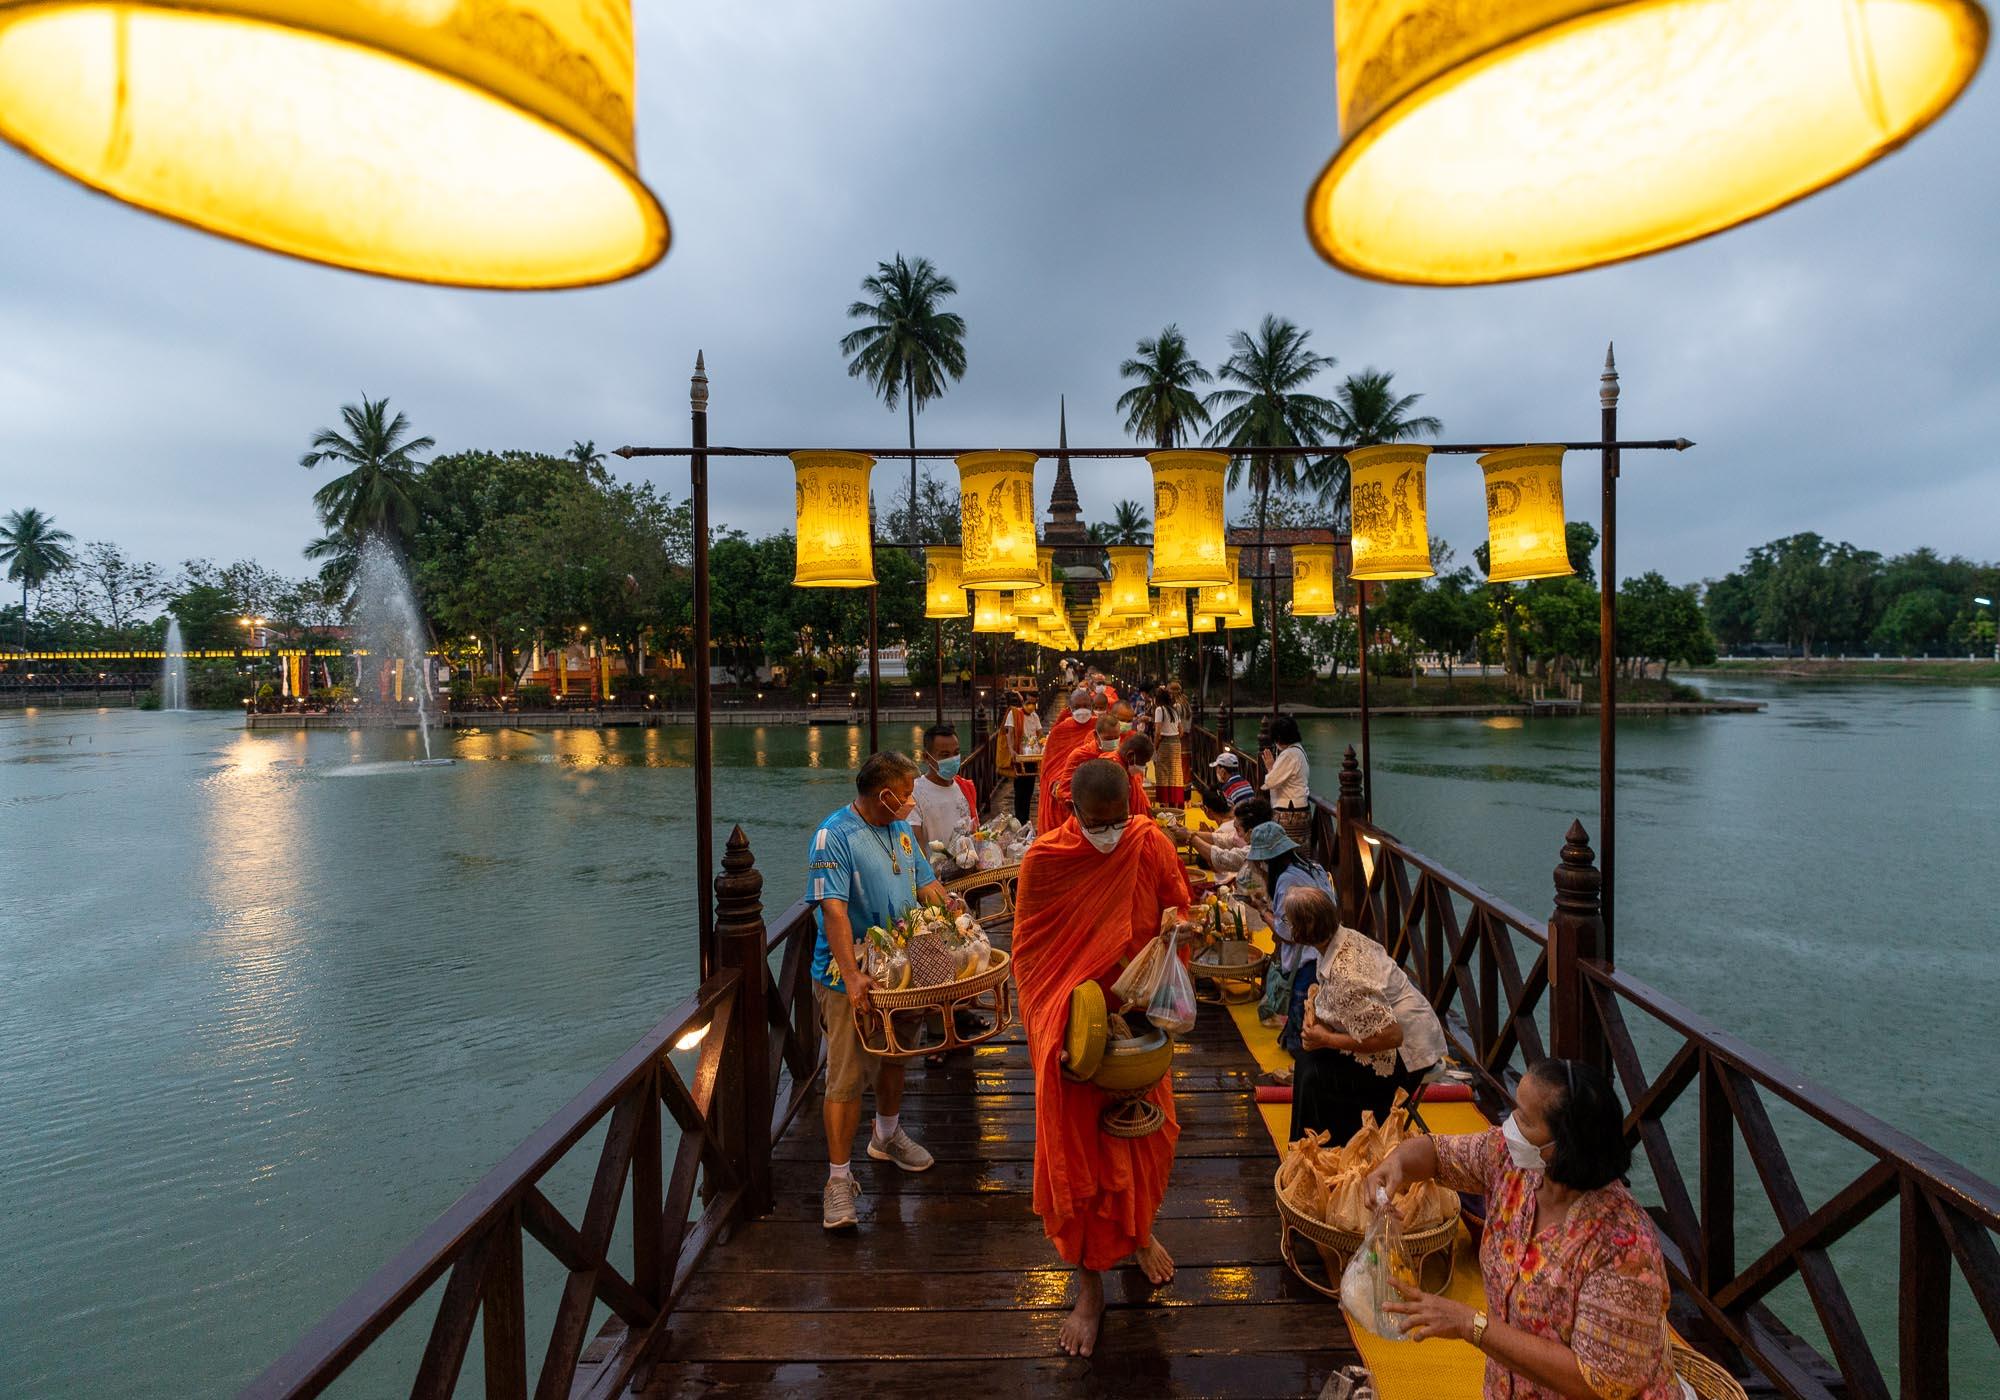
(1575, 1283)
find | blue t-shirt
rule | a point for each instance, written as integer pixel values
(851, 860)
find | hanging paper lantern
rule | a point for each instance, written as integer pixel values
(1526, 534)
(992, 611)
(1390, 526)
(1187, 518)
(1170, 612)
(1246, 611)
(1313, 592)
(1202, 623)
(1039, 601)
(835, 535)
(944, 588)
(1219, 600)
(1129, 597)
(453, 141)
(1491, 142)
(996, 501)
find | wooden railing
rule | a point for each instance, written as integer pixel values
(754, 1035)
(981, 767)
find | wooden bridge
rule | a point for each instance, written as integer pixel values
(696, 1264)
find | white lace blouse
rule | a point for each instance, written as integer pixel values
(1361, 990)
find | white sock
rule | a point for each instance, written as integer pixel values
(885, 1128)
(840, 1171)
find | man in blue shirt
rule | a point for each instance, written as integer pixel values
(864, 867)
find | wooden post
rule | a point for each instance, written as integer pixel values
(1607, 642)
(742, 938)
(1575, 933)
(704, 734)
(1351, 883)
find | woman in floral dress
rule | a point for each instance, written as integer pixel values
(1575, 1285)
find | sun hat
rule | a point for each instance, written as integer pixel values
(1269, 840)
(1225, 759)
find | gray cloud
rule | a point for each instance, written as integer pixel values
(1087, 173)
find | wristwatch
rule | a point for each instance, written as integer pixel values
(1478, 1327)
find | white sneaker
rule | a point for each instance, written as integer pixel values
(902, 1149)
(840, 1203)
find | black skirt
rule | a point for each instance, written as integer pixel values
(1331, 1090)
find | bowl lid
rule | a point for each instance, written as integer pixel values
(1089, 1029)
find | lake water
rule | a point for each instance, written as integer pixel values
(271, 1001)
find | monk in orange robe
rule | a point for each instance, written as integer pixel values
(1056, 780)
(1066, 735)
(1135, 751)
(1091, 895)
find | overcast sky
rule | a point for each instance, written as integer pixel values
(1087, 173)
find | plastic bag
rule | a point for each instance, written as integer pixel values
(1136, 984)
(1172, 1005)
(1366, 1285)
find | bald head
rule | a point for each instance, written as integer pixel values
(1107, 730)
(1099, 700)
(1079, 699)
(1123, 712)
(1100, 792)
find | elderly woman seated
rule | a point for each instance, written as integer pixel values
(1575, 1284)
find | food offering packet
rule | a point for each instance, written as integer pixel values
(1367, 1285)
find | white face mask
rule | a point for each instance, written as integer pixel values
(1106, 841)
(1081, 715)
(1520, 1151)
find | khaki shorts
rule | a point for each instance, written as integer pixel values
(848, 1067)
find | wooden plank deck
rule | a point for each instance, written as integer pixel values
(949, 1285)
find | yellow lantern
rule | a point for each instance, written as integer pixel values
(944, 589)
(1526, 534)
(996, 501)
(992, 611)
(1170, 612)
(1129, 597)
(1492, 142)
(836, 537)
(1219, 600)
(1391, 529)
(1187, 518)
(1039, 601)
(1202, 623)
(1313, 592)
(1246, 611)
(455, 141)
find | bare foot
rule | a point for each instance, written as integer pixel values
(1079, 1329)
(1155, 1263)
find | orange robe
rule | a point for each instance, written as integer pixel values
(1056, 782)
(1142, 805)
(1080, 916)
(1066, 734)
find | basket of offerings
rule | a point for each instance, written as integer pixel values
(939, 985)
(1322, 1195)
(1223, 955)
(1123, 1057)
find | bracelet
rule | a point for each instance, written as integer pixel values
(1478, 1328)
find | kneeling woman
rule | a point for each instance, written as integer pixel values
(1574, 1278)
(1365, 1033)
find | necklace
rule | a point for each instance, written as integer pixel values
(895, 864)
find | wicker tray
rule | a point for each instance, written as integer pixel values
(893, 1028)
(1710, 1381)
(1425, 1247)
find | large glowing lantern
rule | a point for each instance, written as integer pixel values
(1246, 610)
(996, 501)
(456, 141)
(1202, 623)
(944, 587)
(1313, 592)
(1486, 142)
(1187, 518)
(1219, 600)
(1390, 527)
(1040, 601)
(1526, 537)
(1129, 597)
(992, 611)
(1170, 612)
(836, 538)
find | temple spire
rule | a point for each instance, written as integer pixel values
(1065, 510)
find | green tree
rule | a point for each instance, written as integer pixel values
(1730, 603)
(1128, 525)
(379, 494)
(910, 346)
(1917, 623)
(32, 548)
(1658, 621)
(104, 593)
(1446, 617)
(1367, 411)
(1163, 407)
(939, 518)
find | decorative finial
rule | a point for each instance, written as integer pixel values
(698, 386)
(1062, 421)
(1607, 383)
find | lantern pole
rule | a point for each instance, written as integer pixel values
(1361, 671)
(874, 678)
(1607, 648)
(704, 738)
(937, 664)
(1228, 684)
(1271, 602)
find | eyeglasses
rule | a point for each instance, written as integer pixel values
(1118, 825)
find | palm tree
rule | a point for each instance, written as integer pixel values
(1367, 411)
(1267, 408)
(339, 559)
(1129, 525)
(381, 495)
(1163, 405)
(32, 548)
(910, 346)
(586, 456)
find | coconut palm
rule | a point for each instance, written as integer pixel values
(32, 548)
(381, 494)
(1267, 406)
(1367, 411)
(910, 347)
(585, 455)
(1163, 406)
(339, 559)
(1128, 525)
